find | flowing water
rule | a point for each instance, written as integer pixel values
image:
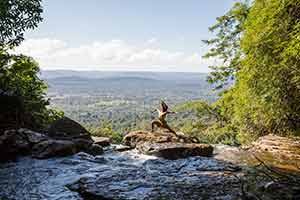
(125, 175)
(128, 175)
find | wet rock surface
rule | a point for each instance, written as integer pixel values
(114, 175)
(122, 172)
(131, 175)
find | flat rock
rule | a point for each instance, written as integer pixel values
(173, 150)
(102, 141)
(276, 151)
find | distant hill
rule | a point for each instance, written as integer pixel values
(109, 79)
(54, 74)
(122, 97)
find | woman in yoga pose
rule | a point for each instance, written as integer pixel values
(161, 121)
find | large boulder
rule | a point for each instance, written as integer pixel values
(14, 143)
(132, 139)
(172, 150)
(67, 128)
(21, 142)
(166, 145)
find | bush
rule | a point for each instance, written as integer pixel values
(208, 123)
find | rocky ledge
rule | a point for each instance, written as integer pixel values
(276, 151)
(166, 145)
(64, 137)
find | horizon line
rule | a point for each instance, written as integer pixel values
(94, 70)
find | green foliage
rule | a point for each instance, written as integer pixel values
(266, 97)
(16, 16)
(19, 77)
(266, 94)
(209, 126)
(106, 130)
(19, 73)
(225, 46)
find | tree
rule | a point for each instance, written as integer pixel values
(225, 46)
(19, 77)
(17, 16)
(262, 53)
(19, 73)
(267, 93)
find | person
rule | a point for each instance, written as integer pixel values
(161, 122)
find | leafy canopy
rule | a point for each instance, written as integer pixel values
(259, 45)
(17, 16)
(267, 93)
(19, 73)
(225, 46)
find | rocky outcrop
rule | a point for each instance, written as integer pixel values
(132, 139)
(173, 150)
(166, 145)
(280, 152)
(70, 139)
(66, 127)
(18, 142)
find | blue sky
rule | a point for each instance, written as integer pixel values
(139, 35)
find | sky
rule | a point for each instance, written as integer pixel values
(124, 35)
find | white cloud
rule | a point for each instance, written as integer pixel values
(110, 55)
(152, 41)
